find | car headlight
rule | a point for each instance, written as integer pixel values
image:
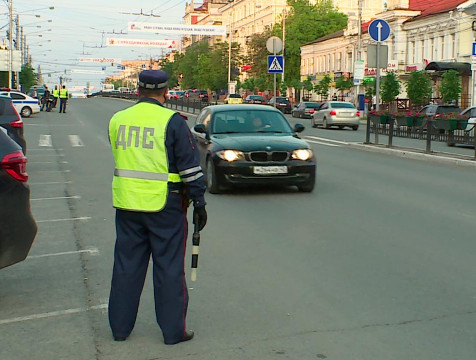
(302, 154)
(231, 155)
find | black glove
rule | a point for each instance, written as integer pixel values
(200, 216)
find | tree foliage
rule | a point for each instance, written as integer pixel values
(322, 87)
(450, 87)
(390, 87)
(28, 77)
(343, 84)
(418, 87)
(307, 22)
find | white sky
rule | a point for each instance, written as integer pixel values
(79, 29)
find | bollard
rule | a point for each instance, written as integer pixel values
(367, 131)
(390, 134)
(428, 135)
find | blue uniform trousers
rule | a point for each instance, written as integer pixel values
(139, 235)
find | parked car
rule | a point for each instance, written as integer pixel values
(282, 103)
(470, 113)
(336, 113)
(197, 94)
(25, 105)
(436, 110)
(10, 122)
(17, 225)
(254, 99)
(40, 91)
(305, 109)
(233, 99)
(252, 144)
(171, 94)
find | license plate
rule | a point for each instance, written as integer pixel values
(270, 170)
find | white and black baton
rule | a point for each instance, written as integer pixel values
(196, 244)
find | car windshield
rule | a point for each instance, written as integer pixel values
(342, 105)
(312, 105)
(256, 97)
(237, 96)
(249, 121)
(282, 100)
(179, 92)
(447, 109)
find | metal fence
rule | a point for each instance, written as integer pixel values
(427, 131)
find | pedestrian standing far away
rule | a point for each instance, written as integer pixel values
(157, 169)
(63, 96)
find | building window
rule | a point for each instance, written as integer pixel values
(411, 55)
(452, 46)
(441, 45)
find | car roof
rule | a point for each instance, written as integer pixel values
(230, 107)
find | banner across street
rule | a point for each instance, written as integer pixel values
(178, 28)
(100, 60)
(169, 44)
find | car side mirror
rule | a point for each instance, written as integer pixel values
(299, 128)
(200, 128)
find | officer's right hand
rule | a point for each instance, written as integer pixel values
(200, 216)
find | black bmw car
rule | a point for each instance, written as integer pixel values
(17, 225)
(252, 144)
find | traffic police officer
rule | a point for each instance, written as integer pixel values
(55, 95)
(157, 171)
(63, 96)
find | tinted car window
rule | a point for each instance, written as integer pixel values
(16, 96)
(337, 105)
(242, 121)
(447, 109)
(236, 96)
(312, 105)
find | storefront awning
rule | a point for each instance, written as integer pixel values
(461, 67)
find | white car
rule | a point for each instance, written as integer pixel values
(24, 104)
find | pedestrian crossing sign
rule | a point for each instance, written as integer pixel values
(275, 64)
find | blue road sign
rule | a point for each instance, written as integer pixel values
(474, 48)
(275, 64)
(143, 66)
(379, 30)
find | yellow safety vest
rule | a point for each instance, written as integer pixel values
(137, 136)
(63, 94)
(55, 93)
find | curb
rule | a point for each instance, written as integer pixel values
(416, 154)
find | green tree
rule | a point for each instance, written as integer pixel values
(450, 87)
(308, 86)
(419, 88)
(169, 68)
(322, 87)
(249, 84)
(343, 84)
(307, 22)
(28, 77)
(390, 87)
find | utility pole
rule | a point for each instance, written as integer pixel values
(10, 46)
(359, 40)
(17, 47)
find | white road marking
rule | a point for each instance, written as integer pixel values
(322, 143)
(50, 183)
(68, 219)
(57, 198)
(75, 141)
(45, 140)
(54, 171)
(42, 149)
(51, 314)
(328, 140)
(93, 251)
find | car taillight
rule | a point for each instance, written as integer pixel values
(15, 165)
(332, 113)
(357, 113)
(312, 111)
(18, 123)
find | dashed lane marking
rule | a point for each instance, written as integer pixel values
(93, 251)
(57, 198)
(52, 314)
(327, 140)
(322, 143)
(45, 140)
(75, 141)
(67, 219)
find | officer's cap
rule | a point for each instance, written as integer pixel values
(153, 79)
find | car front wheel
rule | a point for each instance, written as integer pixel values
(307, 187)
(25, 112)
(212, 184)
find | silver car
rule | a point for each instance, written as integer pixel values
(336, 113)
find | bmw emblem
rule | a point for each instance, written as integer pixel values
(268, 147)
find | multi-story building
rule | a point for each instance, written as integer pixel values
(424, 35)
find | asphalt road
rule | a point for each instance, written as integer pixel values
(376, 263)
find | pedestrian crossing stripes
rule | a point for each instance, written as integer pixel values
(46, 141)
